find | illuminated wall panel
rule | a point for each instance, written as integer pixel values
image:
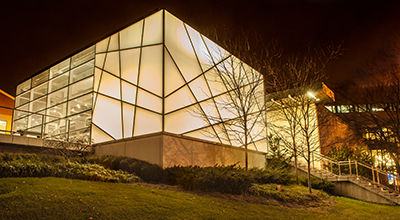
(179, 99)
(200, 48)
(102, 45)
(131, 36)
(200, 89)
(173, 78)
(100, 58)
(128, 93)
(180, 47)
(150, 77)
(149, 101)
(110, 85)
(99, 136)
(112, 63)
(97, 76)
(128, 114)
(113, 45)
(107, 115)
(183, 121)
(153, 29)
(130, 65)
(147, 122)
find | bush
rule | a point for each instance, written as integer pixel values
(316, 183)
(31, 165)
(224, 179)
(272, 175)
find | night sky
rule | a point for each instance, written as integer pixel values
(36, 34)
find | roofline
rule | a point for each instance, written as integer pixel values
(95, 41)
(6, 94)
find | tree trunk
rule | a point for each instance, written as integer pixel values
(295, 167)
(309, 168)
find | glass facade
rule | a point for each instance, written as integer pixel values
(144, 79)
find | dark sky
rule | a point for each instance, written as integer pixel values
(38, 33)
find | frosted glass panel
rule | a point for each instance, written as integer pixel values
(99, 136)
(210, 110)
(131, 36)
(130, 65)
(214, 82)
(59, 68)
(112, 63)
(97, 76)
(113, 43)
(173, 78)
(129, 112)
(223, 136)
(150, 76)
(147, 122)
(153, 29)
(205, 134)
(200, 48)
(183, 121)
(100, 58)
(57, 97)
(110, 85)
(58, 82)
(102, 45)
(200, 88)
(128, 92)
(178, 44)
(179, 99)
(149, 101)
(81, 72)
(225, 109)
(217, 52)
(111, 123)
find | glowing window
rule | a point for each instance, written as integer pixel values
(59, 68)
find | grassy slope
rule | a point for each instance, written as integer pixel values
(57, 198)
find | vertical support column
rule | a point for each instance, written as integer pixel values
(340, 172)
(350, 167)
(356, 168)
(331, 166)
(373, 174)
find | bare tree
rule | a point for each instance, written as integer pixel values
(75, 146)
(241, 101)
(294, 88)
(375, 105)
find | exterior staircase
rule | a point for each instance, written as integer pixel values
(350, 181)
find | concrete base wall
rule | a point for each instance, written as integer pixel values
(352, 190)
(168, 150)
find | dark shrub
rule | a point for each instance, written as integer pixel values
(316, 183)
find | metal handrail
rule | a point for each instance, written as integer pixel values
(374, 171)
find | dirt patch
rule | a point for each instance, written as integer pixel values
(311, 204)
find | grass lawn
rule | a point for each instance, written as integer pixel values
(58, 198)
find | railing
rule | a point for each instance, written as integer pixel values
(359, 170)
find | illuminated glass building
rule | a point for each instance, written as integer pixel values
(143, 81)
